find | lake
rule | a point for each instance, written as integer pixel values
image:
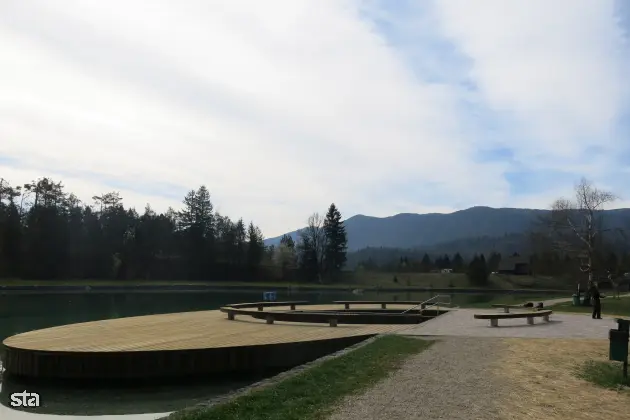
(27, 311)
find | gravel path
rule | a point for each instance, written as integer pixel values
(450, 380)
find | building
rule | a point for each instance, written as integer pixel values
(515, 265)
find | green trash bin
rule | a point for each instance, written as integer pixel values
(623, 324)
(576, 300)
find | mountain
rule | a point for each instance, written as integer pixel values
(408, 230)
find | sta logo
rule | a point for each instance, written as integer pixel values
(24, 399)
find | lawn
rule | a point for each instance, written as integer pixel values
(559, 379)
(486, 301)
(610, 306)
(314, 393)
(455, 280)
(351, 280)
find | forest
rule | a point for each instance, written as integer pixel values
(46, 233)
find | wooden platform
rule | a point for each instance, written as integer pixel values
(177, 344)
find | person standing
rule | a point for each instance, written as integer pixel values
(597, 303)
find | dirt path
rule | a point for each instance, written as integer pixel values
(443, 382)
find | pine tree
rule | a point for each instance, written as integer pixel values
(458, 263)
(255, 246)
(336, 242)
(426, 264)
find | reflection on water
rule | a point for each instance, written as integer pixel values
(25, 312)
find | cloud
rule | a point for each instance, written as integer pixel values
(282, 107)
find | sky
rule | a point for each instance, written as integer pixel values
(281, 107)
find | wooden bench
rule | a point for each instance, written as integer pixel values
(506, 308)
(331, 318)
(261, 305)
(494, 318)
(383, 303)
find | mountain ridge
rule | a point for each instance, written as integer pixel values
(414, 230)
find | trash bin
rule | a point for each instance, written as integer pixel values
(619, 341)
(623, 324)
(576, 300)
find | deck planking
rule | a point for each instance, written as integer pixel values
(185, 331)
(179, 344)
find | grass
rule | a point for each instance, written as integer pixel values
(486, 301)
(361, 279)
(455, 280)
(314, 393)
(542, 381)
(88, 282)
(610, 306)
(606, 374)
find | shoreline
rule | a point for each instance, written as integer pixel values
(210, 287)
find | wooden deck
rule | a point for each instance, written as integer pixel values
(179, 343)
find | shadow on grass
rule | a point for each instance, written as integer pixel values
(605, 374)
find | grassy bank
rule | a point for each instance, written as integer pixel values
(486, 301)
(602, 373)
(361, 280)
(610, 306)
(454, 280)
(313, 393)
(122, 283)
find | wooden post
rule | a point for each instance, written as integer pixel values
(383, 306)
(293, 306)
(530, 320)
(546, 318)
(269, 319)
(261, 307)
(332, 322)
(506, 310)
(231, 316)
(347, 306)
(494, 322)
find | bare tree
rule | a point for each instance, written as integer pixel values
(576, 226)
(313, 241)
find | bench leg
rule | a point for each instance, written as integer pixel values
(332, 322)
(494, 322)
(231, 316)
(269, 320)
(530, 320)
(293, 307)
(347, 306)
(383, 305)
(546, 318)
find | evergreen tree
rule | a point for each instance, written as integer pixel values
(458, 263)
(336, 242)
(426, 265)
(478, 271)
(255, 246)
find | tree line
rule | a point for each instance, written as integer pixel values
(48, 233)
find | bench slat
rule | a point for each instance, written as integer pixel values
(514, 315)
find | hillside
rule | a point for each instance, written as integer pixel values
(426, 231)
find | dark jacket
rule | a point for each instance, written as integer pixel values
(594, 292)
